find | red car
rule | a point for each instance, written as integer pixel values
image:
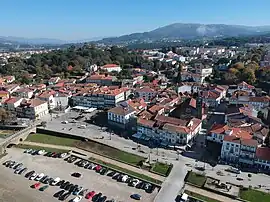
(36, 185)
(90, 195)
(98, 168)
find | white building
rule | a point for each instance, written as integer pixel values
(12, 103)
(101, 98)
(32, 109)
(173, 132)
(47, 97)
(146, 93)
(111, 68)
(120, 116)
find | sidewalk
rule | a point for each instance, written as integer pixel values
(209, 194)
(99, 157)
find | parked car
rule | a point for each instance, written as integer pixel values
(98, 168)
(97, 197)
(63, 155)
(124, 178)
(22, 171)
(64, 122)
(48, 154)
(64, 184)
(36, 185)
(44, 178)
(76, 175)
(43, 188)
(27, 175)
(136, 196)
(60, 183)
(90, 195)
(83, 192)
(92, 166)
(64, 196)
(48, 180)
(59, 193)
(102, 199)
(77, 191)
(77, 199)
(72, 189)
(103, 171)
(33, 176)
(72, 159)
(115, 177)
(27, 151)
(68, 187)
(11, 164)
(55, 181)
(40, 176)
(41, 152)
(18, 170)
(233, 170)
(19, 165)
(6, 162)
(140, 185)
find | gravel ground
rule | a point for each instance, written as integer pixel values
(18, 187)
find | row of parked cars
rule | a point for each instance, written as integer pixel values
(120, 177)
(45, 153)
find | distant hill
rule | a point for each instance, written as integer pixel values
(31, 41)
(189, 31)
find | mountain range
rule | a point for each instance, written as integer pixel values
(189, 31)
(176, 31)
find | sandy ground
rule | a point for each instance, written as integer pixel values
(15, 187)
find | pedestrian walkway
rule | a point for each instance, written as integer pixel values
(99, 157)
(209, 194)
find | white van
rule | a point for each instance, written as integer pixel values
(82, 126)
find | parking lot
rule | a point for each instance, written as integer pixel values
(56, 167)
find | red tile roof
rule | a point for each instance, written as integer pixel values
(145, 122)
(110, 66)
(219, 128)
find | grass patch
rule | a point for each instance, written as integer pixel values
(24, 146)
(111, 152)
(50, 139)
(6, 133)
(201, 197)
(254, 195)
(161, 168)
(195, 179)
(124, 170)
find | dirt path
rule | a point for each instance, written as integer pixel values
(209, 194)
(96, 156)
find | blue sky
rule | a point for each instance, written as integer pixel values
(84, 19)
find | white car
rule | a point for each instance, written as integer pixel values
(41, 152)
(28, 151)
(63, 155)
(55, 181)
(135, 182)
(39, 177)
(77, 199)
(33, 176)
(124, 178)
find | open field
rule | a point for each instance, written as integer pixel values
(161, 168)
(195, 179)
(50, 139)
(254, 195)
